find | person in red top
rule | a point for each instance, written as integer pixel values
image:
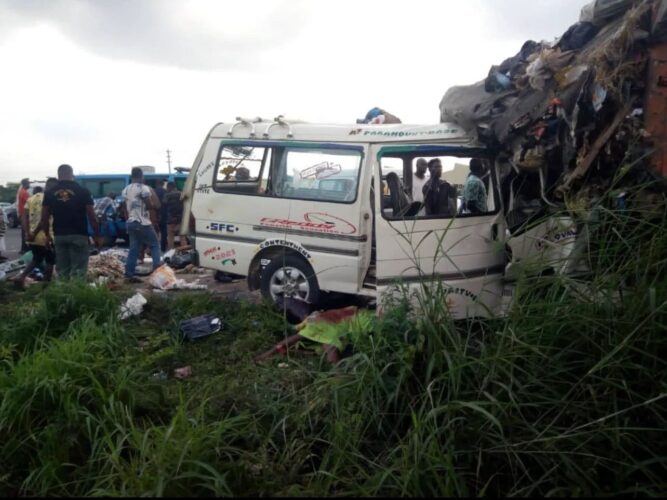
(22, 196)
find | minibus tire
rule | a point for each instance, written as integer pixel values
(294, 266)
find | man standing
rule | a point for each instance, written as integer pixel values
(439, 195)
(474, 191)
(102, 206)
(139, 199)
(162, 213)
(42, 249)
(70, 205)
(22, 196)
(419, 180)
(3, 230)
(174, 208)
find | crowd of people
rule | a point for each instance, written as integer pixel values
(439, 198)
(56, 222)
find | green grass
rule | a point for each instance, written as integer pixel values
(565, 397)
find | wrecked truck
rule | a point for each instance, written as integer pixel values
(304, 209)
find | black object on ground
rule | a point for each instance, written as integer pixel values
(200, 327)
(181, 260)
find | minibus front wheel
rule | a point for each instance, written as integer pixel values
(290, 277)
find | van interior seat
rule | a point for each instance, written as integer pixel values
(400, 203)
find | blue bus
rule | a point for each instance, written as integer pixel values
(100, 185)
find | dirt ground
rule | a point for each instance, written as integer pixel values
(237, 290)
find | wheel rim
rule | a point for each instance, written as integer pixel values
(289, 282)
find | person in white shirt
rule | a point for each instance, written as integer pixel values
(418, 181)
(138, 201)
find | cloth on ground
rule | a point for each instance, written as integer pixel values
(337, 327)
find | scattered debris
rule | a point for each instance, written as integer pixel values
(377, 116)
(183, 373)
(11, 268)
(180, 258)
(105, 265)
(332, 329)
(134, 306)
(161, 375)
(564, 118)
(164, 278)
(200, 327)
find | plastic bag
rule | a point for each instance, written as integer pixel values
(163, 278)
(133, 306)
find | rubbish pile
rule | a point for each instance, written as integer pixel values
(164, 278)
(134, 306)
(106, 265)
(563, 117)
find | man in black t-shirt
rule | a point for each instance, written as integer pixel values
(439, 195)
(70, 205)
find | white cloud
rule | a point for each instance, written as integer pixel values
(121, 89)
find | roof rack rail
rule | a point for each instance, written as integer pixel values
(248, 122)
(280, 122)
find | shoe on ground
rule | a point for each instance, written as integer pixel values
(133, 280)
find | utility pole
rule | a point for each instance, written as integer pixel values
(169, 160)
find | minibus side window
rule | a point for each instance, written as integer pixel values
(465, 186)
(240, 169)
(318, 175)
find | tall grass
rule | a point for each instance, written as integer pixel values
(564, 397)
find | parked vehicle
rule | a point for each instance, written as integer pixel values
(99, 185)
(12, 215)
(294, 209)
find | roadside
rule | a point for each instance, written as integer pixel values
(13, 243)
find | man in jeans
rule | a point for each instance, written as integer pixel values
(174, 208)
(70, 205)
(138, 202)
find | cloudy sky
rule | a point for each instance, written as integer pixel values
(107, 84)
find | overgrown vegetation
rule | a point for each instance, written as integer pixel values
(567, 396)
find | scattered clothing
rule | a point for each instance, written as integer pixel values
(377, 116)
(577, 36)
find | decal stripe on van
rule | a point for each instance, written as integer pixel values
(463, 275)
(311, 234)
(257, 241)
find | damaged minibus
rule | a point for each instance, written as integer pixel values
(303, 209)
